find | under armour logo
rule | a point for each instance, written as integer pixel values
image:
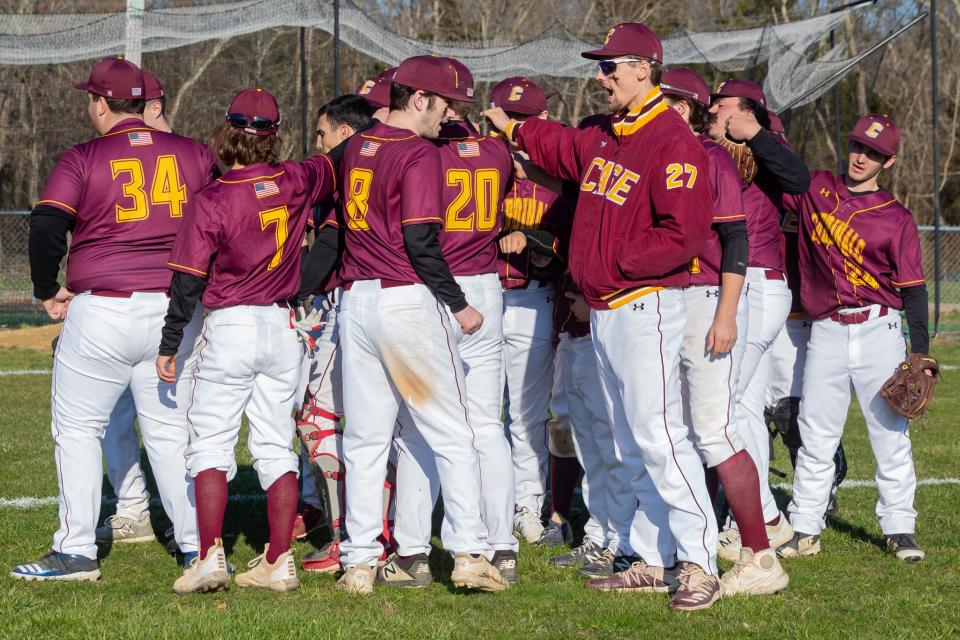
(893, 325)
(807, 323)
(549, 300)
(603, 144)
(713, 293)
(638, 307)
(825, 192)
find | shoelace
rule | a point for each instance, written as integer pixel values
(695, 580)
(256, 561)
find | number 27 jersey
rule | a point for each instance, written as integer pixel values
(129, 190)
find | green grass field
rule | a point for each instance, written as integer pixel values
(851, 590)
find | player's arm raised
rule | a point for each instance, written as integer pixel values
(771, 153)
(551, 146)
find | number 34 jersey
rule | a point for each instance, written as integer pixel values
(129, 190)
(245, 232)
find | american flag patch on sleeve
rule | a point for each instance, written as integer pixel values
(369, 148)
(468, 149)
(139, 138)
(266, 188)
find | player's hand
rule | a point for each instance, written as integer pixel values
(722, 336)
(520, 162)
(742, 126)
(470, 320)
(497, 117)
(514, 242)
(56, 307)
(167, 368)
(578, 306)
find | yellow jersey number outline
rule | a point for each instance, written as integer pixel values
(356, 207)
(277, 216)
(167, 188)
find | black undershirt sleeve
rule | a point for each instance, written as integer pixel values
(540, 242)
(422, 242)
(47, 244)
(185, 292)
(319, 261)
(918, 317)
(734, 246)
(786, 167)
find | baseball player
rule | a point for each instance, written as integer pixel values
(121, 446)
(122, 197)
(376, 91)
(398, 346)
(641, 216)
(527, 321)
(477, 174)
(239, 252)
(711, 352)
(770, 169)
(860, 264)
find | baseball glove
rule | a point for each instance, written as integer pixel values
(909, 390)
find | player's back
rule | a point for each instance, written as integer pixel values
(129, 191)
(477, 172)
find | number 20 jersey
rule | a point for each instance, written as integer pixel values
(129, 190)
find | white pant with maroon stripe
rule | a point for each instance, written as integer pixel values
(398, 347)
(121, 456)
(108, 344)
(861, 357)
(249, 363)
(606, 482)
(417, 479)
(638, 356)
(709, 385)
(768, 303)
(528, 358)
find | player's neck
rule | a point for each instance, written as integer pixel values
(862, 186)
(403, 120)
(640, 99)
(111, 120)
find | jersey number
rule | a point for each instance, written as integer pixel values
(278, 218)
(483, 186)
(166, 188)
(675, 173)
(357, 206)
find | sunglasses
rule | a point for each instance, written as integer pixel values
(241, 121)
(606, 67)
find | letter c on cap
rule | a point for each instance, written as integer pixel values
(515, 93)
(873, 130)
(366, 88)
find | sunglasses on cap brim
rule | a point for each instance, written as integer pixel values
(241, 121)
(606, 67)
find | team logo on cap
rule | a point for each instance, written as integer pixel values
(516, 93)
(137, 91)
(366, 88)
(874, 130)
(609, 35)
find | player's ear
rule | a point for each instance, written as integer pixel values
(889, 162)
(542, 115)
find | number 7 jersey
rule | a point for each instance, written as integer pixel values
(129, 190)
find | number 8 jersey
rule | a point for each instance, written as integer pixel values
(129, 190)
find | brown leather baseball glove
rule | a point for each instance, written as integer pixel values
(909, 390)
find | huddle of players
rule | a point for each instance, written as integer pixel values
(671, 289)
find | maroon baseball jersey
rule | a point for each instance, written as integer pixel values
(790, 226)
(246, 231)
(726, 189)
(529, 205)
(644, 208)
(391, 178)
(477, 172)
(761, 200)
(129, 190)
(855, 249)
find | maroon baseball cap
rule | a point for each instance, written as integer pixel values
(115, 78)
(878, 132)
(152, 89)
(519, 95)
(685, 83)
(376, 90)
(436, 74)
(254, 111)
(740, 88)
(628, 39)
(776, 124)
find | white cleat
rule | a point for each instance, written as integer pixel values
(474, 571)
(728, 542)
(527, 525)
(280, 576)
(755, 574)
(126, 530)
(209, 574)
(358, 579)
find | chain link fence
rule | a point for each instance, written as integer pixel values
(18, 307)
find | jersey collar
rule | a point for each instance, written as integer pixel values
(129, 124)
(629, 122)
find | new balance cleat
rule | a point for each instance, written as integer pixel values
(126, 530)
(412, 572)
(585, 553)
(601, 567)
(904, 546)
(801, 544)
(59, 566)
(505, 561)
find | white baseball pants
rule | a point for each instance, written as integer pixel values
(708, 385)
(768, 303)
(606, 482)
(528, 358)
(788, 359)
(398, 347)
(418, 483)
(861, 357)
(638, 357)
(249, 363)
(108, 344)
(121, 455)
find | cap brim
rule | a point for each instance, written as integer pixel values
(82, 86)
(601, 54)
(870, 143)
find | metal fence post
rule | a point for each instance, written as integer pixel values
(935, 139)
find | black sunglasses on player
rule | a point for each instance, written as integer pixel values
(241, 121)
(606, 67)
